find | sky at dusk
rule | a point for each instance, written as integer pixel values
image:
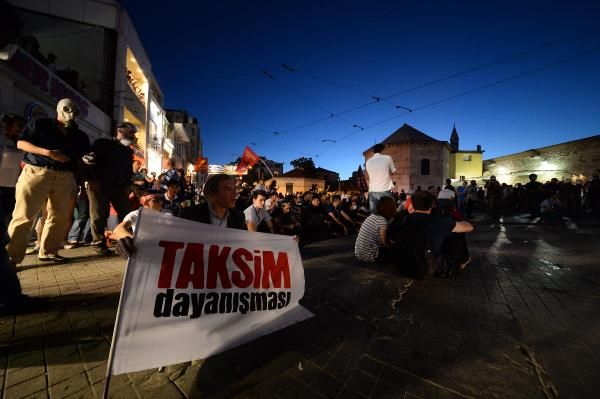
(357, 67)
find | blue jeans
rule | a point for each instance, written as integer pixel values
(81, 230)
(374, 198)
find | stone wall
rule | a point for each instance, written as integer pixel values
(572, 160)
(407, 159)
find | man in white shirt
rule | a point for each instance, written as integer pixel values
(379, 169)
(256, 214)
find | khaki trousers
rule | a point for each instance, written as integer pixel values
(35, 185)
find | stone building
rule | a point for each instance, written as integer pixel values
(298, 181)
(464, 164)
(419, 158)
(572, 160)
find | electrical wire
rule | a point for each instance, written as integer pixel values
(471, 91)
(454, 75)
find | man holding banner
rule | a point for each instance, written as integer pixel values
(201, 288)
(219, 210)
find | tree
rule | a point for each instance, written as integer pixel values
(303, 163)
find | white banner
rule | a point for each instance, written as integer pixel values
(192, 290)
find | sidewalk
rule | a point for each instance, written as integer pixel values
(521, 321)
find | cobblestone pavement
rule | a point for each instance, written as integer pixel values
(521, 321)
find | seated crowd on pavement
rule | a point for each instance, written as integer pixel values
(64, 190)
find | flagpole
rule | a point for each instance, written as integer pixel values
(111, 353)
(263, 162)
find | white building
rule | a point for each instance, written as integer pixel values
(87, 50)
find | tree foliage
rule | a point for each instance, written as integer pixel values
(303, 163)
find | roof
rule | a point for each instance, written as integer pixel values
(321, 170)
(300, 173)
(408, 134)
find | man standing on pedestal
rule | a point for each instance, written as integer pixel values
(379, 169)
(52, 149)
(109, 180)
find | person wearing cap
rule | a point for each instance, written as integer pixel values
(218, 210)
(53, 148)
(152, 200)
(108, 173)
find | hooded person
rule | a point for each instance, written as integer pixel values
(53, 148)
(108, 173)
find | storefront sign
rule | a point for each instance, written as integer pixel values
(46, 81)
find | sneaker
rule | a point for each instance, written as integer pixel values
(71, 245)
(32, 251)
(53, 258)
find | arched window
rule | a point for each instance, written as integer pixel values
(425, 167)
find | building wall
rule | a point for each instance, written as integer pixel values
(572, 160)
(457, 166)
(438, 154)
(407, 160)
(300, 184)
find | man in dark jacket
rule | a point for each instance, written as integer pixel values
(53, 148)
(109, 180)
(219, 209)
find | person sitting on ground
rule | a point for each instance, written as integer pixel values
(271, 202)
(285, 221)
(313, 224)
(549, 209)
(171, 199)
(152, 200)
(420, 236)
(256, 213)
(340, 219)
(372, 236)
(218, 210)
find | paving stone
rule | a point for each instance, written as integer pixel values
(29, 387)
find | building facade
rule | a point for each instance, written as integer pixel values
(53, 50)
(298, 181)
(464, 164)
(185, 140)
(419, 159)
(574, 160)
(89, 51)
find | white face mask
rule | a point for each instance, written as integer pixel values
(67, 111)
(126, 142)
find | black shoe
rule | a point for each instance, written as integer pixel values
(53, 258)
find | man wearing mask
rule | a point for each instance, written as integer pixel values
(109, 175)
(52, 149)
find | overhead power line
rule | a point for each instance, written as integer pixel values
(471, 91)
(455, 75)
(341, 86)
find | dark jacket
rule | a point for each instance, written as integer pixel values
(200, 213)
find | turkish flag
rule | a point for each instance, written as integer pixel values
(201, 165)
(249, 159)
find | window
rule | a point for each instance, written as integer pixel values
(425, 166)
(289, 188)
(467, 158)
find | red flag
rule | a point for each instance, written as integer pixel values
(249, 159)
(201, 165)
